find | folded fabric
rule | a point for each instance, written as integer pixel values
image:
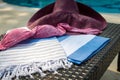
(15, 36)
(31, 56)
(80, 48)
(44, 31)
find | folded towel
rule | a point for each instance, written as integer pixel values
(80, 48)
(15, 36)
(30, 56)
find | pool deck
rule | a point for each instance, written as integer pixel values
(12, 16)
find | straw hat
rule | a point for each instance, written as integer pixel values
(68, 11)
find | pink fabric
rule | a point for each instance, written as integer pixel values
(15, 36)
(42, 31)
(70, 29)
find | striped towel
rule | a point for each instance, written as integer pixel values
(30, 56)
(80, 48)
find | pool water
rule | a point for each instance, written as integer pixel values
(111, 6)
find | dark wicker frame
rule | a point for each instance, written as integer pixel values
(94, 68)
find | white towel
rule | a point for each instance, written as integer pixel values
(30, 56)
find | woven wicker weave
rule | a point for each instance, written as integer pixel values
(94, 68)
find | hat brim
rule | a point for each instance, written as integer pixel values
(83, 9)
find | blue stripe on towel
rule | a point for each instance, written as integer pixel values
(88, 50)
(84, 52)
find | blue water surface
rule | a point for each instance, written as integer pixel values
(109, 6)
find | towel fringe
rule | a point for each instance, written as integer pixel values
(28, 69)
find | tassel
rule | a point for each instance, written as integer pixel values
(28, 69)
